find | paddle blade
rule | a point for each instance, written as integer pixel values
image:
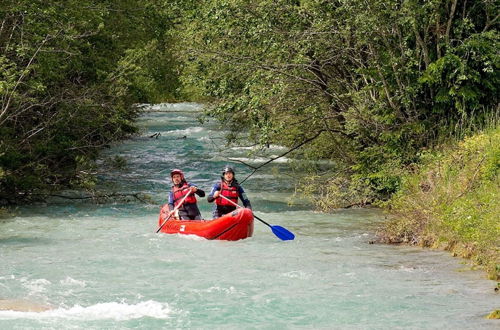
(282, 233)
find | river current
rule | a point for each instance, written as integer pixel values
(102, 266)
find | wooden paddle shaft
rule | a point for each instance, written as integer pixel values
(230, 201)
(175, 209)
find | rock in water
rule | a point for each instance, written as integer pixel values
(22, 306)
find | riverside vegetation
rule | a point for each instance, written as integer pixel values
(451, 199)
(363, 93)
(69, 73)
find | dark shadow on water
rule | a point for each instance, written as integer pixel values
(26, 241)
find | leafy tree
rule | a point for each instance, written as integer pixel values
(70, 71)
(367, 84)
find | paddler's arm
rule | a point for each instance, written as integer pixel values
(215, 188)
(244, 198)
(170, 201)
(197, 190)
(200, 192)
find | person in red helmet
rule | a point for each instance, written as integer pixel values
(229, 188)
(180, 188)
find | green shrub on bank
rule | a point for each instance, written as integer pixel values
(451, 201)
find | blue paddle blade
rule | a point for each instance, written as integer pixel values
(283, 233)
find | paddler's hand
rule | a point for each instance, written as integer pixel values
(216, 194)
(193, 189)
(173, 215)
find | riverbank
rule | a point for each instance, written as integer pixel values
(450, 201)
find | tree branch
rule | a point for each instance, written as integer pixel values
(450, 20)
(98, 196)
(256, 168)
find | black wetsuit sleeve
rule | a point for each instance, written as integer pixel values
(198, 192)
(244, 198)
(210, 197)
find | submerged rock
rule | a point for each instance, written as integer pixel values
(22, 306)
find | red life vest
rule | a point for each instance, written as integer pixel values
(180, 192)
(230, 192)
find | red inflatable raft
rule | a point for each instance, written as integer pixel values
(230, 227)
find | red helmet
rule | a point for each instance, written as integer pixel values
(177, 171)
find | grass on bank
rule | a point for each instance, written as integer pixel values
(451, 201)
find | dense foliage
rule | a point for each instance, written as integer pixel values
(369, 84)
(69, 73)
(364, 86)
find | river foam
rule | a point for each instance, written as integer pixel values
(102, 311)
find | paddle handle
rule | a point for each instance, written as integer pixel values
(175, 209)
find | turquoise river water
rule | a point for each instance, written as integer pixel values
(102, 266)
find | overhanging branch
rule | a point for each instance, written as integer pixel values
(256, 168)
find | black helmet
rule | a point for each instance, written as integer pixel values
(226, 169)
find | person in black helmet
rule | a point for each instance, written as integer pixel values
(229, 188)
(180, 188)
